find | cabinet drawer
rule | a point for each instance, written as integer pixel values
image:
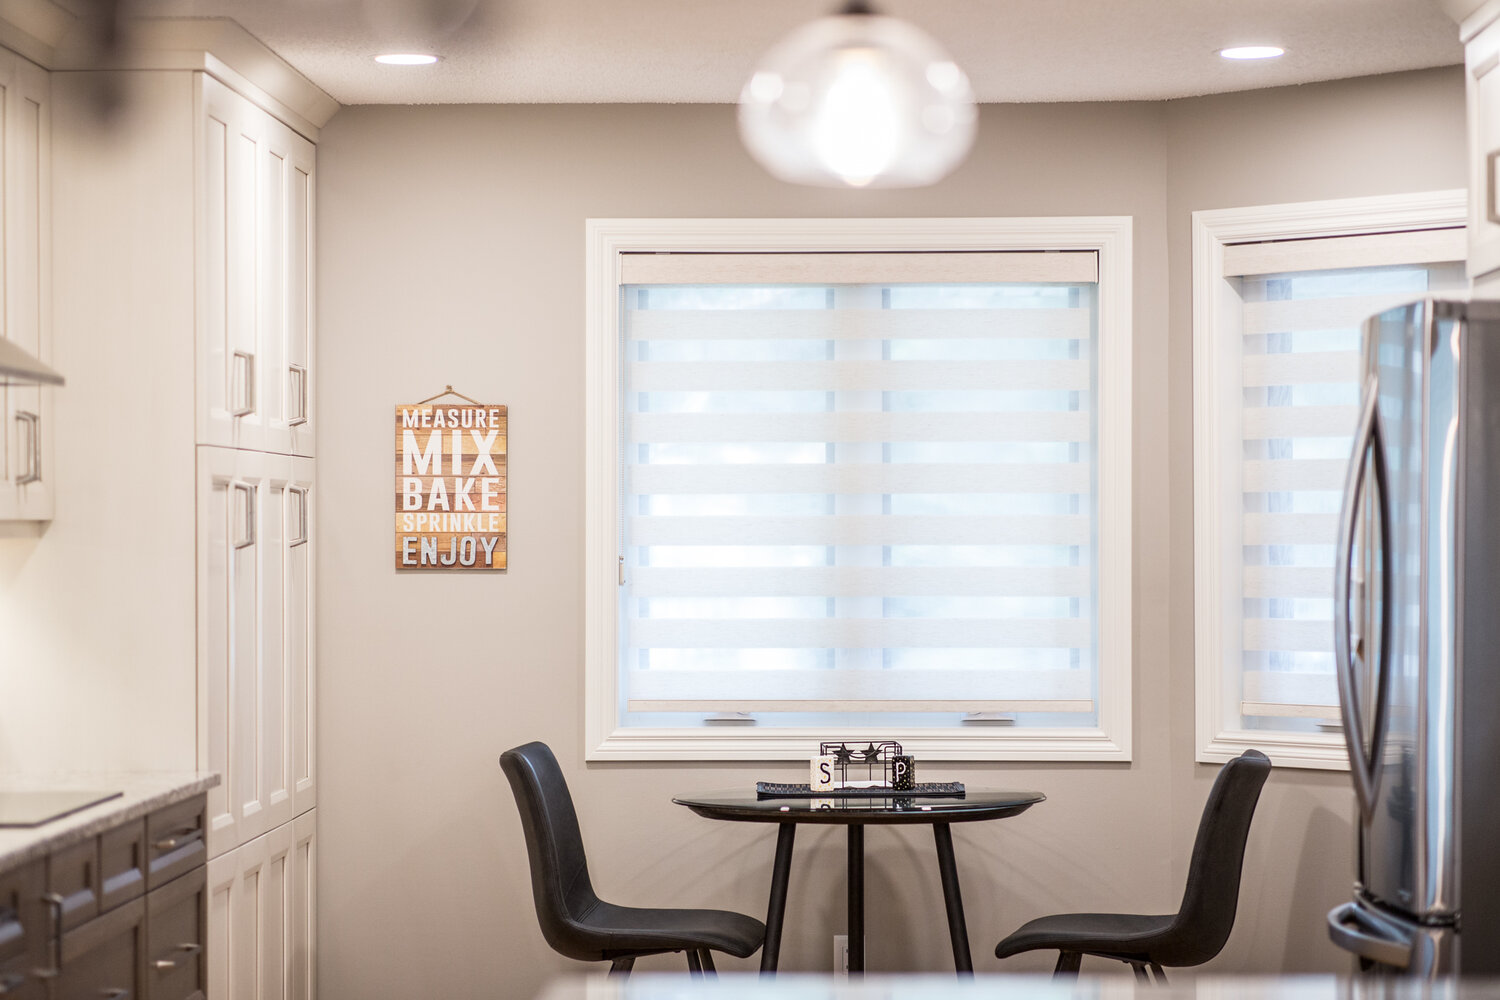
(105, 958)
(122, 864)
(73, 877)
(23, 920)
(174, 841)
(176, 929)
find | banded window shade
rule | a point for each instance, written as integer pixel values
(1300, 364)
(848, 495)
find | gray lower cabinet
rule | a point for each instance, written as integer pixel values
(117, 916)
(23, 931)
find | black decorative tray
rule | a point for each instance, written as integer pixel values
(778, 790)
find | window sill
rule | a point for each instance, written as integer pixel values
(1322, 752)
(981, 743)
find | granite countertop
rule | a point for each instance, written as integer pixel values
(144, 792)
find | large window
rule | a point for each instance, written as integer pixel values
(866, 480)
(1280, 296)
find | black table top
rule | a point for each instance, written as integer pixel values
(976, 804)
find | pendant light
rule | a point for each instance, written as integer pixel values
(857, 99)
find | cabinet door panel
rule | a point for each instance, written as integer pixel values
(299, 632)
(104, 959)
(176, 933)
(285, 295)
(302, 927)
(231, 367)
(299, 407)
(249, 907)
(27, 446)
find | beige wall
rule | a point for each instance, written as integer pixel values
(451, 251)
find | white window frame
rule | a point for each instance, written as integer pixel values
(608, 239)
(1219, 736)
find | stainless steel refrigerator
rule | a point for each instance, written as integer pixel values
(1417, 642)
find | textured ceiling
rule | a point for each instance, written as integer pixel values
(669, 51)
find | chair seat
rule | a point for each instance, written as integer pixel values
(632, 930)
(1108, 934)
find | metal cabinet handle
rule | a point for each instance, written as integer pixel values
(10, 982)
(298, 391)
(300, 492)
(1367, 440)
(166, 964)
(33, 447)
(244, 361)
(114, 993)
(248, 521)
(179, 838)
(55, 903)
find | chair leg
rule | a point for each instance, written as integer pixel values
(622, 966)
(1068, 963)
(1140, 972)
(695, 968)
(706, 959)
(1161, 977)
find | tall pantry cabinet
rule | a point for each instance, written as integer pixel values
(192, 215)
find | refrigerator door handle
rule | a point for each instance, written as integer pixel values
(1364, 768)
(1356, 930)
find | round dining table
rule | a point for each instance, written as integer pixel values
(856, 811)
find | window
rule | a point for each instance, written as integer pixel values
(858, 479)
(1280, 293)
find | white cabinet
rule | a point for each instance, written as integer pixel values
(256, 672)
(261, 896)
(26, 482)
(255, 328)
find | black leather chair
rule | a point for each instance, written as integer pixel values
(575, 921)
(1198, 930)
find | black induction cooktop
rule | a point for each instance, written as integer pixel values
(33, 808)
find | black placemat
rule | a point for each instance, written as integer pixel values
(778, 790)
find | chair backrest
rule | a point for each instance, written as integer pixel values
(1213, 887)
(560, 883)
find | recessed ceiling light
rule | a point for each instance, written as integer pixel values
(1252, 52)
(406, 59)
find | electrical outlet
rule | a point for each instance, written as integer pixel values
(841, 955)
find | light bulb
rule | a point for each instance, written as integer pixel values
(857, 100)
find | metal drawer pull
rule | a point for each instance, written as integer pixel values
(248, 538)
(179, 838)
(238, 409)
(10, 982)
(55, 903)
(166, 964)
(114, 993)
(33, 447)
(299, 394)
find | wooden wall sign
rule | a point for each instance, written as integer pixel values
(450, 486)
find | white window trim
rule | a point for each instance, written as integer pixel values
(607, 239)
(1220, 738)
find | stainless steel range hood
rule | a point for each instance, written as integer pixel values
(19, 368)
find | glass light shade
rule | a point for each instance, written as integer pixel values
(857, 100)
